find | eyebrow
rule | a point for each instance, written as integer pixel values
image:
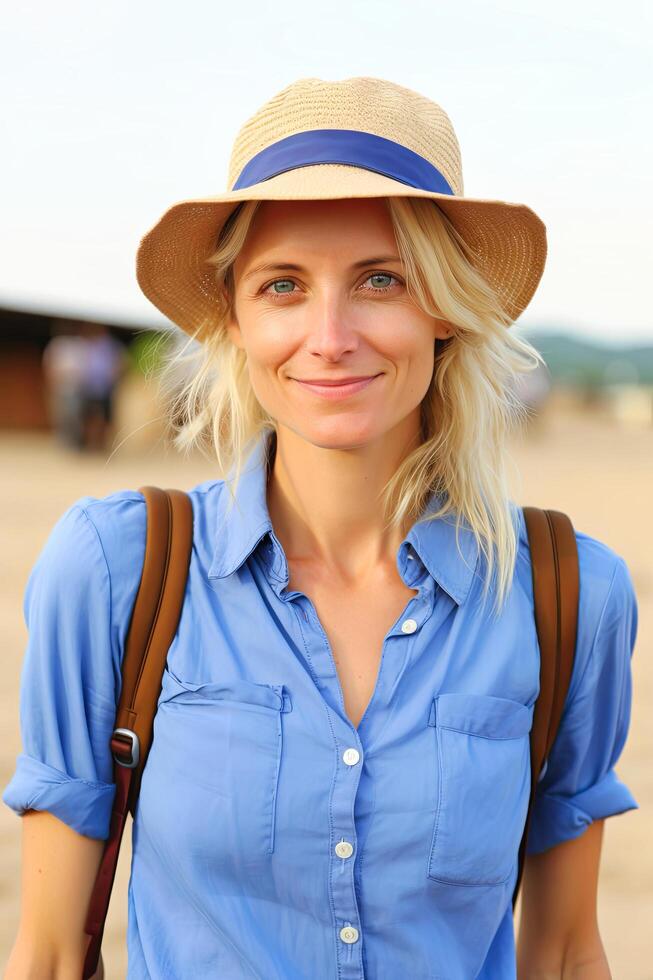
(291, 267)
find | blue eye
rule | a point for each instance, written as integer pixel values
(381, 275)
(274, 294)
(277, 281)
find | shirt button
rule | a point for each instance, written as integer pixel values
(351, 756)
(408, 626)
(349, 934)
(344, 849)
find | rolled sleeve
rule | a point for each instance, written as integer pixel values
(68, 692)
(559, 818)
(83, 805)
(579, 784)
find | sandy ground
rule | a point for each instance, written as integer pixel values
(597, 470)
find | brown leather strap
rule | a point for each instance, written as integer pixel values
(556, 584)
(153, 625)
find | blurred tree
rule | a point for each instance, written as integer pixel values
(147, 350)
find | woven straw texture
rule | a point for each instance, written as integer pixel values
(508, 240)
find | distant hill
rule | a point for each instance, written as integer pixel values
(576, 361)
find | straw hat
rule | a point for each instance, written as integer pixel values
(318, 140)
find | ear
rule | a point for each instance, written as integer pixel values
(442, 329)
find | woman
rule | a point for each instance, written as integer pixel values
(339, 774)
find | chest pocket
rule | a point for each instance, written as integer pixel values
(220, 745)
(483, 784)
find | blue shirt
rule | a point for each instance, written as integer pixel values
(272, 839)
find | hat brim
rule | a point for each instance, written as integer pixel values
(508, 241)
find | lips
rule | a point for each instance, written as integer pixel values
(337, 389)
(336, 381)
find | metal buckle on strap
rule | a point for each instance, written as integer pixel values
(134, 747)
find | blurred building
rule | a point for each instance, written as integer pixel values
(24, 335)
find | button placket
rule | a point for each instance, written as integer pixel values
(343, 893)
(346, 919)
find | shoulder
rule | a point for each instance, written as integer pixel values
(96, 547)
(606, 594)
(90, 564)
(599, 563)
(111, 527)
(118, 520)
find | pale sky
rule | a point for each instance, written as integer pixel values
(112, 112)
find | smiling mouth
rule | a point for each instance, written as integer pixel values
(334, 390)
(336, 381)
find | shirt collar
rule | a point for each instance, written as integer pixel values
(240, 526)
(240, 530)
(452, 563)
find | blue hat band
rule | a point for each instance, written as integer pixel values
(347, 146)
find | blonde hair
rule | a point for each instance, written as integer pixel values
(469, 409)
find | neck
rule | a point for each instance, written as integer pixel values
(325, 504)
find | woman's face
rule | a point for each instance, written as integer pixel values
(331, 304)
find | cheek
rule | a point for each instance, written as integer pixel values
(401, 332)
(412, 352)
(416, 382)
(265, 361)
(268, 346)
(413, 366)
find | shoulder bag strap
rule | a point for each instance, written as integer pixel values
(153, 625)
(556, 582)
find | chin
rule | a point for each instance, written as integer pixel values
(339, 433)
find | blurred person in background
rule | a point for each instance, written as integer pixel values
(103, 364)
(63, 368)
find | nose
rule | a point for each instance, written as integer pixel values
(331, 331)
